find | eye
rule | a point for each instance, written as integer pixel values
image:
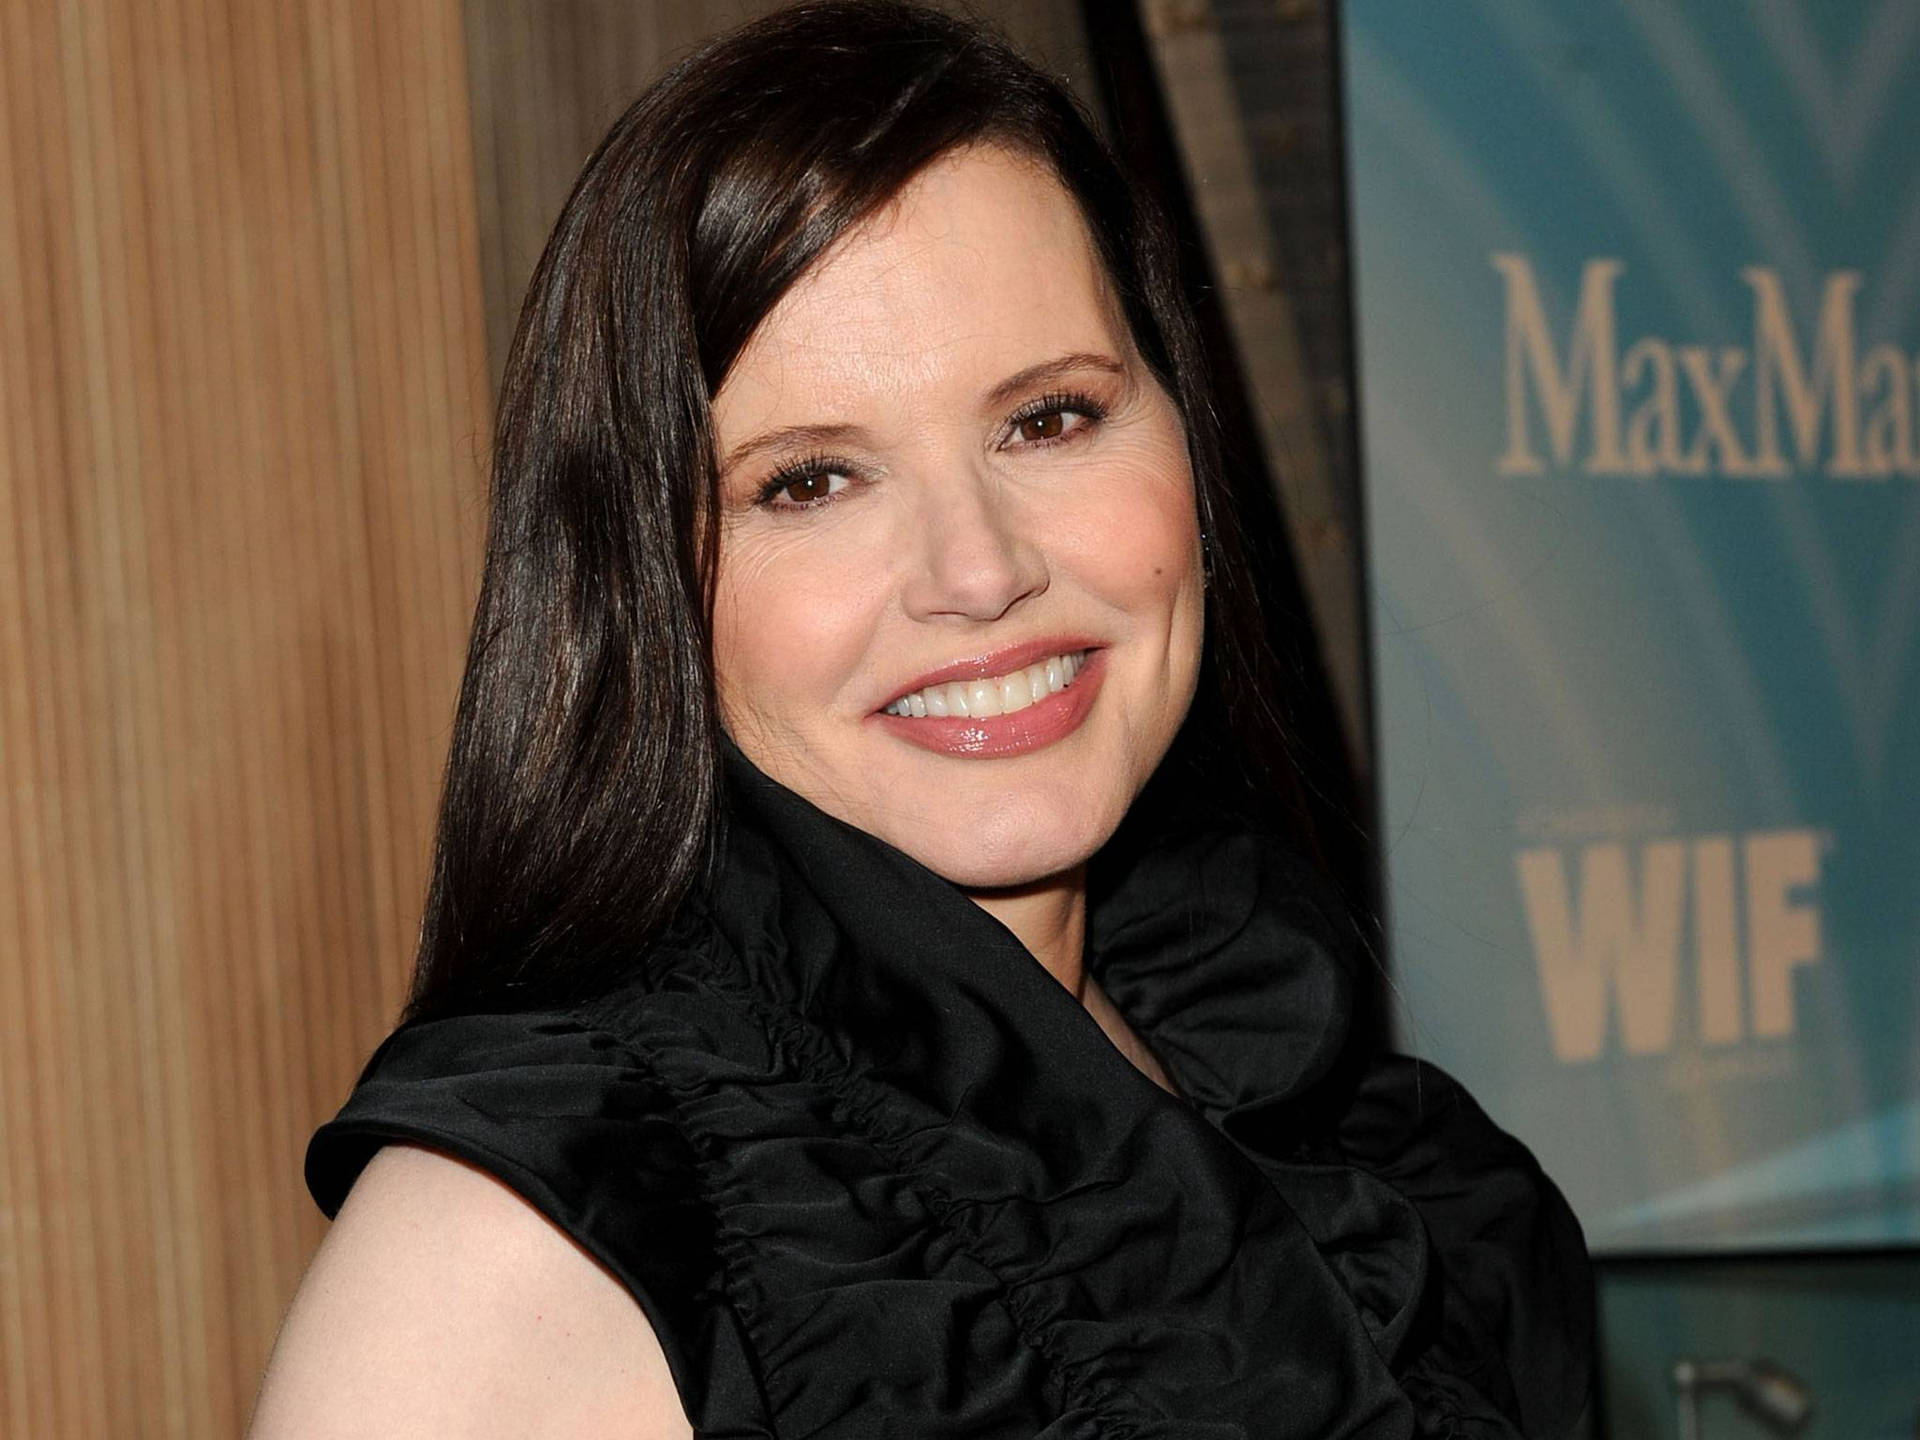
(1054, 418)
(803, 486)
(1050, 426)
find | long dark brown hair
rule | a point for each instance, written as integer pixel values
(582, 789)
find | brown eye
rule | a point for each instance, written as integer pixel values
(1049, 425)
(1053, 418)
(801, 489)
(808, 487)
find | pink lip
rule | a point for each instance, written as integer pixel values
(997, 662)
(992, 736)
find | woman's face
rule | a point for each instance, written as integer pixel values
(951, 485)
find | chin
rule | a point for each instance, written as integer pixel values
(1012, 854)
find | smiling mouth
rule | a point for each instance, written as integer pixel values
(992, 694)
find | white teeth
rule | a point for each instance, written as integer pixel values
(996, 695)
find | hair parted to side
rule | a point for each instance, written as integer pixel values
(582, 789)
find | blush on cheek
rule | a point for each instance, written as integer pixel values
(1150, 546)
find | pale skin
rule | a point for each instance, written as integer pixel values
(968, 516)
(937, 507)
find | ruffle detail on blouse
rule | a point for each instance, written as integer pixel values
(1463, 1261)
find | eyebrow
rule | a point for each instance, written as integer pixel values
(800, 437)
(816, 436)
(1049, 370)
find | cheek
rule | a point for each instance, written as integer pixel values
(1136, 539)
(791, 627)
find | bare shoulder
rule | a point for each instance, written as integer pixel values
(441, 1303)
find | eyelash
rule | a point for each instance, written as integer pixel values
(1059, 402)
(807, 469)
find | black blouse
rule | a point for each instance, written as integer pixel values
(872, 1172)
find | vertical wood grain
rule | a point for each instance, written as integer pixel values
(243, 414)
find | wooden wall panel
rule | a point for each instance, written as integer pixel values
(243, 412)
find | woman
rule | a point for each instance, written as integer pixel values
(847, 1004)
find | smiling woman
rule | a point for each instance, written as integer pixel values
(861, 993)
(1009, 487)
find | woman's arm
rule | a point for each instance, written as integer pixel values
(442, 1304)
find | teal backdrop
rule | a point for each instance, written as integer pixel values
(1638, 306)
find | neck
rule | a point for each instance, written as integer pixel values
(1049, 917)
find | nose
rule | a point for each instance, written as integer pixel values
(976, 555)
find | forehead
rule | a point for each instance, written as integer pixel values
(981, 266)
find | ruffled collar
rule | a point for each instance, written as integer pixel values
(1219, 947)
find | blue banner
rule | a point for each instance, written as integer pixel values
(1638, 307)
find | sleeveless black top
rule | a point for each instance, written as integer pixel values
(872, 1172)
